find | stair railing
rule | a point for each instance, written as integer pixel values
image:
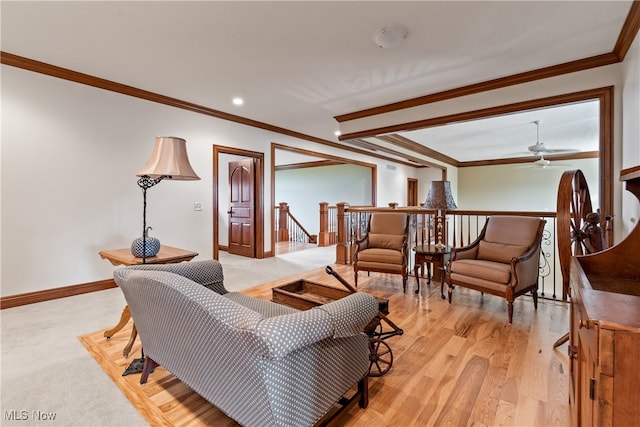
(289, 229)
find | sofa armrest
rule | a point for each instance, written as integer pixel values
(206, 272)
(361, 244)
(465, 252)
(284, 334)
(525, 268)
(351, 314)
(342, 318)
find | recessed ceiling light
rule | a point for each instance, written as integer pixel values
(238, 101)
(337, 133)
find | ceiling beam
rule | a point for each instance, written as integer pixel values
(304, 165)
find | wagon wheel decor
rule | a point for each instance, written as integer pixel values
(578, 227)
(573, 206)
(380, 357)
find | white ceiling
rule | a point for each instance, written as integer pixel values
(299, 64)
(568, 127)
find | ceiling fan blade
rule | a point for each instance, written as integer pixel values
(541, 148)
(555, 150)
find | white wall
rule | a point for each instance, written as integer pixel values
(70, 152)
(631, 130)
(520, 187)
(69, 155)
(303, 189)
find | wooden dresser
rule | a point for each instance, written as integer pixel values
(604, 346)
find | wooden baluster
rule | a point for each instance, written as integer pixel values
(334, 230)
(608, 230)
(343, 252)
(453, 233)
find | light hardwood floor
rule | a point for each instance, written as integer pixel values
(459, 365)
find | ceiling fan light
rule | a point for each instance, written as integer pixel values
(543, 163)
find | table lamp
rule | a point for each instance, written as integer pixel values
(440, 198)
(168, 160)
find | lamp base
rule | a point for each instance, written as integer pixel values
(439, 246)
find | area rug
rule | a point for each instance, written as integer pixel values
(163, 400)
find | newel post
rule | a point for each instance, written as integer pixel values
(323, 234)
(283, 231)
(343, 252)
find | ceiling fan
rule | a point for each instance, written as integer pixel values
(539, 149)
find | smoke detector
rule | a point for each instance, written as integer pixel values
(390, 36)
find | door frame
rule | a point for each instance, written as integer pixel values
(276, 146)
(412, 191)
(259, 201)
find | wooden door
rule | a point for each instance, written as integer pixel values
(412, 192)
(242, 208)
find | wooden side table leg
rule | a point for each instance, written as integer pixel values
(132, 338)
(444, 273)
(124, 318)
(417, 267)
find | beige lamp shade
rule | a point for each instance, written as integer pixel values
(169, 159)
(440, 196)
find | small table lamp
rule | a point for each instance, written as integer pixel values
(168, 160)
(440, 198)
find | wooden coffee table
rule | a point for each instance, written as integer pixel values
(166, 255)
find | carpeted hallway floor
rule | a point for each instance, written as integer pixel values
(49, 378)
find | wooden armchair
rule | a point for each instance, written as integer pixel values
(384, 247)
(503, 261)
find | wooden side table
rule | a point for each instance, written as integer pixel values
(166, 255)
(437, 257)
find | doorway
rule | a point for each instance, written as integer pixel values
(412, 192)
(310, 181)
(247, 242)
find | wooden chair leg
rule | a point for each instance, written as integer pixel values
(535, 298)
(149, 366)
(510, 311)
(132, 339)
(363, 389)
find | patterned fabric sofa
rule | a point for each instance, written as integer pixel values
(261, 363)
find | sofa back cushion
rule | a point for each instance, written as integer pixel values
(388, 223)
(512, 230)
(507, 237)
